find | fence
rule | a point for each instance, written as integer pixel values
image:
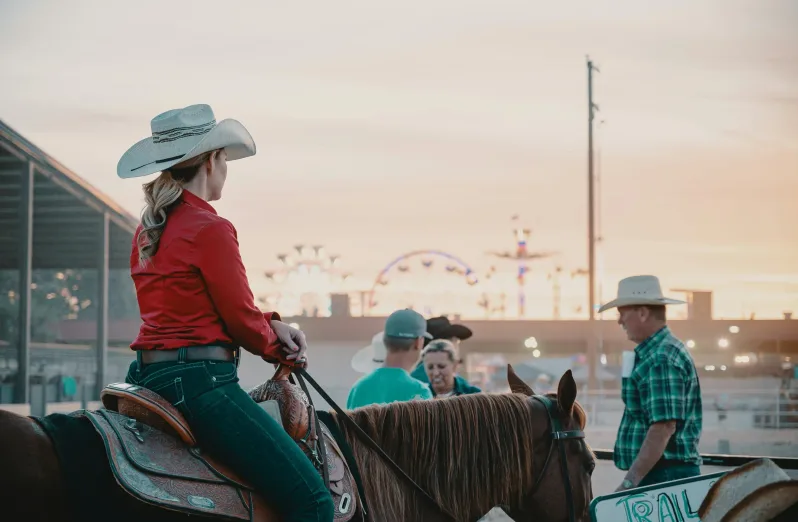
(46, 399)
(731, 461)
(742, 422)
(767, 408)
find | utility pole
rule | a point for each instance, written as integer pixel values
(591, 213)
(591, 226)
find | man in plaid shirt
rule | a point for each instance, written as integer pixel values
(661, 425)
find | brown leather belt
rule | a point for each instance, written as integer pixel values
(192, 353)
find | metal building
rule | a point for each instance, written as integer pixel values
(50, 218)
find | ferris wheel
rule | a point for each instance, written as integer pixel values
(303, 281)
(430, 281)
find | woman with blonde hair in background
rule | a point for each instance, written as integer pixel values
(198, 311)
(440, 361)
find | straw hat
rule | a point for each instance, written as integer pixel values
(181, 134)
(639, 290)
(754, 492)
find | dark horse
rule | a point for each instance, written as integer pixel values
(470, 453)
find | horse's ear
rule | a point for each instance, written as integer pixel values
(566, 392)
(516, 384)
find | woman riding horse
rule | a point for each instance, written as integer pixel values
(197, 309)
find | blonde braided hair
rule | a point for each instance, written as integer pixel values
(160, 195)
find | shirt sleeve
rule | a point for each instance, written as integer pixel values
(219, 261)
(664, 397)
(426, 393)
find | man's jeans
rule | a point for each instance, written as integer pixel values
(668, 473)
(230, 426)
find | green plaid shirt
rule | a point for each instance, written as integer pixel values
(663, 386)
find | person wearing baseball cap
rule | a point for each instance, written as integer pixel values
(388, 361)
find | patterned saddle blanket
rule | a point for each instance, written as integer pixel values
(154, 458)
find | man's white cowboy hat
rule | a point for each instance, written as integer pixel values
(371, 357)
(754, 492)
(182, 134)
(639, 290)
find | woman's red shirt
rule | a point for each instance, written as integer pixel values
(194, 290)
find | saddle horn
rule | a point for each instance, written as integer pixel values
(282, 373)
(297, 412)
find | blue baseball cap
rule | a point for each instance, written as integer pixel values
(406, 324)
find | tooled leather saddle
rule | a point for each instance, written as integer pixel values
(155, 458)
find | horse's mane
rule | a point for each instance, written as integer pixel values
(483, 440)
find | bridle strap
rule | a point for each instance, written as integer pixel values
(301, 372)
(564, 435)
(558, 435)
(320, 442)
(543, 469)
(569, 495)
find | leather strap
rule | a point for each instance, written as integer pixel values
(190, 353)
(558, 435)
(370, 442)
(328, 420)
(320, 442)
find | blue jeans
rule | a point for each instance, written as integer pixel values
(231, 427)
(659, 475)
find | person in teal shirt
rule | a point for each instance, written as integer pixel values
(442, 328)
(388, 361)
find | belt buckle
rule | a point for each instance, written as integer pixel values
(237, 355)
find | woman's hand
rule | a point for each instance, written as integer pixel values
(293, 340)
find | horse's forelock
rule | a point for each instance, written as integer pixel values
(470, 453)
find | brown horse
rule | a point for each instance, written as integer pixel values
(470, 453)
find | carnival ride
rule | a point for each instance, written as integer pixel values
(424, 280)
(522, 256)
(432, 281)
(303, 282)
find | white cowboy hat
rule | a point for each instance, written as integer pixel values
(639, 290)
(182, 134)
(370, 357)
(754, 492)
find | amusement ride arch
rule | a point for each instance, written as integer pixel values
(455, 265)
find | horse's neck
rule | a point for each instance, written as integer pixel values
(389, 496)
(392, 498)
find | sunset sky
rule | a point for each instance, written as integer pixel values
(385, 127)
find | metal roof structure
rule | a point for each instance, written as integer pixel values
(50, 218)
(68, 213)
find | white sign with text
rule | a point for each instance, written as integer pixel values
(676, 501)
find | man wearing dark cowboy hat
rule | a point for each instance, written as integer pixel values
(442, 328)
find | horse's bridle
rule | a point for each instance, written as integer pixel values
(558, 434)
